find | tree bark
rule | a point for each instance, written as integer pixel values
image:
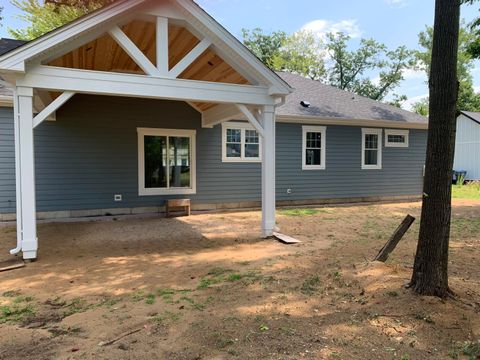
(430, 272)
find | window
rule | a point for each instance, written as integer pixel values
(314, 146)
(166, 161)
(240, 143)
(371, 148)
(396, 138)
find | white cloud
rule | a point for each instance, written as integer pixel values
(407, 105)
(321, 27)
(397, 3)
(414, 74)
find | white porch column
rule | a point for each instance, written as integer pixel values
(268, 171)
(26, 211)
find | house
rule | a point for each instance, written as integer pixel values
(467, 145)
(144, 101)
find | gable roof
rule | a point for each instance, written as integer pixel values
(474, 116)
(15, 60)
(328, 102)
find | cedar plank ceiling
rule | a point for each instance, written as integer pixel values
(104, 54)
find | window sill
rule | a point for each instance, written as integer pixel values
(396, 145)
(313, 167)
(173, 191)
(371, 167)
(240, 160)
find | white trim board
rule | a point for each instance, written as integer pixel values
(116, 84)
(404, 133)
(323, 149)
(191, 134)
(242, 159)
(313, 120)
(378, 132)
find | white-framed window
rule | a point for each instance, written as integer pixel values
(166, 161)
(371, 148)
(314, 147)
(240, 143)
(396, 138)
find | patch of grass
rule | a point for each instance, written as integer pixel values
(471, 349)
(11, 293)
(16, 312)
(263, 328)
(391, 293)
(221, 342)
(206, 282)
(465, 227)
(166, 317)
(469, 191)
(220, 275)
(234, 277)
(76, 306)
(299, 212)
(150, 299)
(310, 285)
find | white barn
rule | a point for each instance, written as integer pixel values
(467, 145)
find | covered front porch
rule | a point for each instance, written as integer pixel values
(172, 52)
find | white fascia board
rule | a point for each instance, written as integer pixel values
(15, 60)
(350, 122)
(118, 84)
(277, 85)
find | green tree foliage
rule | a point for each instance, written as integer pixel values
(421, 107)
(467, 98)
(45, 17)
(264, 46)
(298, 53)
(352, 69)
(474, 45)
(301, 53)
(331, 61)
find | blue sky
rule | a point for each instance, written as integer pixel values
(393, 22)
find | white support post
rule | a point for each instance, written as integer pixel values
(268, 171)
(162, 45)
(26, 179)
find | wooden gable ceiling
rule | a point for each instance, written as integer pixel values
(104, 54)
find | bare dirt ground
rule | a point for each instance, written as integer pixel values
(206, 287)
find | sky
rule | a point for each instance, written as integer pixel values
(392, 22)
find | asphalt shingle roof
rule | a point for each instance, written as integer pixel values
(7, 45)
(328, 102)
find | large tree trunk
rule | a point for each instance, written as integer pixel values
(430, 272)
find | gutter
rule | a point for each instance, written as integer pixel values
(306, 119)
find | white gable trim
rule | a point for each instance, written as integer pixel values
(278, 86)
(229, 47)
(15, 59)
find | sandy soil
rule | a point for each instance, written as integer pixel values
(207, 287)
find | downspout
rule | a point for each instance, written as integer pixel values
(18, 175)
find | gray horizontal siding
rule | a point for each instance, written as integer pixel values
(401, 172)
(7, 161)
(90, 153)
